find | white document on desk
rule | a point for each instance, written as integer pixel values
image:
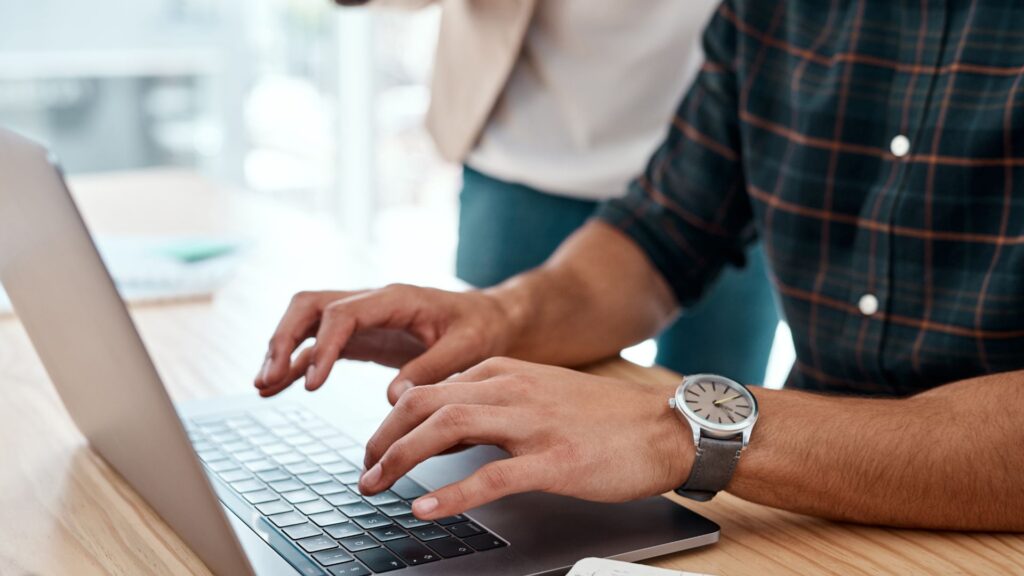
(605, 567)
(145, 273)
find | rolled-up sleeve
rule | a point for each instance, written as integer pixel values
(689, 210)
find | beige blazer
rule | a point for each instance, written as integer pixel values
(477, 49)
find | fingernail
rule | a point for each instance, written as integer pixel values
(263, 372)
(371, 476)
(404, 386)
(310, 373)
(424, 505)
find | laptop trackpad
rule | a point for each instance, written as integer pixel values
(557, 530)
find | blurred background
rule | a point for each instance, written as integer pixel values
(319, 107)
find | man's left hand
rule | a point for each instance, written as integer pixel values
(567, 432)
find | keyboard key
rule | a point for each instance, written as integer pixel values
(237, 447)
(338, 467)
(317, 477)
(388, 533)
(260, 465)
(249, 456)
(271, 508)
(202, 446)
(314, 507)
(287, 485)
(412, 552)
(317, 543)
(351, 569)
(349, 477)
(270, 418)
(338, 442)
(273, 475)
(328, 488)
(288, 458)
(275, 448)
(411, 522)
(357, 509)
(286, 430)
(244, 486)
(346, 530)
(299, 496)
(324, 458)
(225, 437)
(465, 530)
(301, 468)
(332, 557)
(263, 439)
(328, 518)
(260, 497)
(357, 543)
(373, 521)
(298, 439)
(380, 560)
(314, 449)
(449, 520)
(300, 531)
(222, 466)
(342, 498)
(431, 532)
(396, 509)
(291, 518)
(483, 542)
(251, 430)
(450, 547)
(386, 497)
(408, 489)
(320, 430)
(235, 475)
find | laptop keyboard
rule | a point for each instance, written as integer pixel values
(299, 475)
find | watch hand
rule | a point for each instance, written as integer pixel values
(721, 401)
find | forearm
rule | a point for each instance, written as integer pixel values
(596, 295)
(949, 458)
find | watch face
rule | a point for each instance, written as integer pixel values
(717, 402)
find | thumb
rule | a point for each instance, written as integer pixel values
(448, 356)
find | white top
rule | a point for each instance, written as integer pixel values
(592, 94)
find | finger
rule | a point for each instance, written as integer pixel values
(450, 426)
(296, 370)
(298, 323)
(416, 406)
(489, 368)
(491, 482)
(392, 307)
(451, 354)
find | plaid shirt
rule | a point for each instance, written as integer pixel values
(876, 147)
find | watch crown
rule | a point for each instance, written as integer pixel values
(671, 402)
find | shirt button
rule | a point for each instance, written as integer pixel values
(899, 146)
(868, 304)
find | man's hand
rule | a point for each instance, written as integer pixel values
(429, 334)
(568, 433)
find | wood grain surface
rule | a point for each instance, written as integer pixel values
(64, 511)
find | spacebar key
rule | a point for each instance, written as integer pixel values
(380, 560)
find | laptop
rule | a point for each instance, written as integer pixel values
(268, 487)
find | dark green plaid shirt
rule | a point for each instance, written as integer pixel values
(877, 150)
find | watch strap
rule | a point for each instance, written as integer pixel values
(712, 470)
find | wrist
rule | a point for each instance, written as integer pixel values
(515, 301)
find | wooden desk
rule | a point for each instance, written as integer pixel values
(64, 511)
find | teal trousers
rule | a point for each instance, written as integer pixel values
(507, 228)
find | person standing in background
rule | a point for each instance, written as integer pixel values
(554, 105)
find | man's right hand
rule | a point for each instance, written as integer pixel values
(429, 334)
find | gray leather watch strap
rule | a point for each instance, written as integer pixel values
(712, 468)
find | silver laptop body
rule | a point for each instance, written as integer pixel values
(81, 329)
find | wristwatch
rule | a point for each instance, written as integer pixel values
(721, 413)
